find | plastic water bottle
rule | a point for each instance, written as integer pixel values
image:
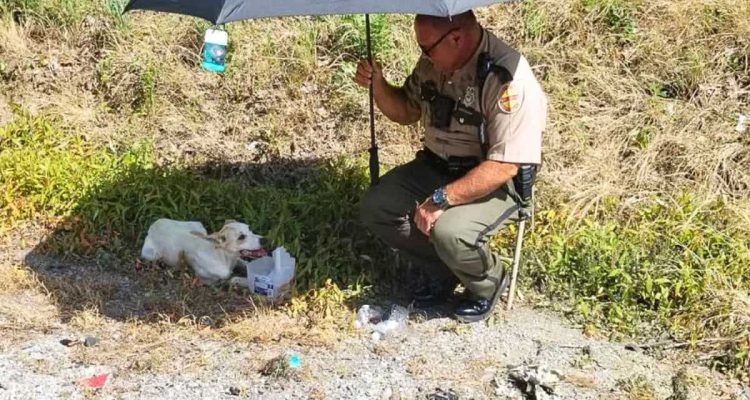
(394, 325)
(215, 50)
(367, 315)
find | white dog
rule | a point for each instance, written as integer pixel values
(212, 257)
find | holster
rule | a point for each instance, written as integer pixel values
(454, 166)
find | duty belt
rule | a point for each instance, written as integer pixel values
(454, 166)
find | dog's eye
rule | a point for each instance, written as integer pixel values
(242, 237)
(223, 238)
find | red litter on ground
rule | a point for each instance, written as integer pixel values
(95, 382)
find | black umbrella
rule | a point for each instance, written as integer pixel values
(222, 11)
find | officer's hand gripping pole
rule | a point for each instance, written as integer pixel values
(523, 182)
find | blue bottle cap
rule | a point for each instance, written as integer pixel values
(294, 361)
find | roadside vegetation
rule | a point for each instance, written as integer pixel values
(643, 221)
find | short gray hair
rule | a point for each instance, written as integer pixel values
(464, 20)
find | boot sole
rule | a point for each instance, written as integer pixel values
(481, 317)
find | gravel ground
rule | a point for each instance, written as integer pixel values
(434, 358)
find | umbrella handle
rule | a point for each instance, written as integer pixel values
(374, 162)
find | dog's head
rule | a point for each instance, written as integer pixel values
(236, 237)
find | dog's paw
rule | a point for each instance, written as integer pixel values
(238, 281)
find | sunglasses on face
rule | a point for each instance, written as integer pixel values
(426, 50)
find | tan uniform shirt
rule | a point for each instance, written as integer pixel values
(515, 113)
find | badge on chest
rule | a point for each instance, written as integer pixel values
(470, 96)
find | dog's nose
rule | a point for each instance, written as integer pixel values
(264, 242)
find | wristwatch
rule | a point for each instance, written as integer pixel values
(440, 198)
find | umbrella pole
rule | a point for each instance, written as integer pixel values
(374, 162)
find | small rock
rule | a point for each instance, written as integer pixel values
(206, 321)
(322, 112)
(53, 65)
(279, 367)
(632, 347)
(670, 109)
(680, 386)
(741, 123)
(90, 341)
(68, 342)
(234, 391)
(441, 394)
(22, 254)
(530, 379)
(253, 146)
(89, 21)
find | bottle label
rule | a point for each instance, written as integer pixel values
(214, 56)
(262, 285)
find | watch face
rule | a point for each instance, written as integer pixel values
(438, 197)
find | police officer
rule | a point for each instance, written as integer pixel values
(483, 113)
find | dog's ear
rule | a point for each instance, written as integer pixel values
(218, 238)
(210, 238)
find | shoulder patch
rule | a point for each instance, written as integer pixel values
(511, 98)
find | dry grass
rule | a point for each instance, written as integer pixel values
(637, 387)
(276, 327)
(643, 101)
(138, 346)
(723, 323)
(633, 113)
(24, 302)
(15, 279)
(317, 318)
(580, 379)
(611, 127)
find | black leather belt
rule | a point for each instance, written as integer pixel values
(454, 166)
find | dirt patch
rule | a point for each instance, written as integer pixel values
(6, 114)
(435, 356)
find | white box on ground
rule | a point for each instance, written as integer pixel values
(271, 276)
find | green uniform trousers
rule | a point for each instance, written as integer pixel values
(459, 241)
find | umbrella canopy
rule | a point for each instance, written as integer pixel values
(222, 11)
(219, 12)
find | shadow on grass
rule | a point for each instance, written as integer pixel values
(90, 260)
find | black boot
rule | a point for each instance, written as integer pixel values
(476, 309)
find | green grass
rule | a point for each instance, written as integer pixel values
(54, 13)
(630, 273)
(535, 21)
(617, 16)
(110, 198)
(634, 273)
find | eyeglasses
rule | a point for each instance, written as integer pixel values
(426, 50)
